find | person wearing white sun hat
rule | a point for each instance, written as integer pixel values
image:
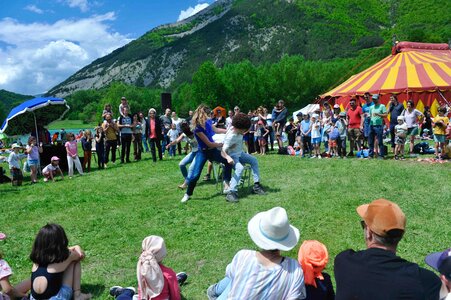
(264, 274)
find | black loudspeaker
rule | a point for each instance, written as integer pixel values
(166, 101)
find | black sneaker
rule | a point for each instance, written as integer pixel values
(116, 290)
(181, 277)
(258, 189)
(232, 197)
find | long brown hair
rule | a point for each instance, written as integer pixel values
(200, 116)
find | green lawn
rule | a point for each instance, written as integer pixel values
(71, 124)
(109, 212)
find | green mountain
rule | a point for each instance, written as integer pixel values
(8, 100)
(261, 31)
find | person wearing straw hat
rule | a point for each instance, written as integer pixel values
(264, 274)
(313, 257)
(377, 273)
(155, 280)
(441, 262)
(14, 165)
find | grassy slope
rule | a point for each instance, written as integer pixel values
(109, 212)
(70, 124)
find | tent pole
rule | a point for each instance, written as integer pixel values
(37, 141)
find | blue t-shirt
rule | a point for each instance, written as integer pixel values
(305, 125)
(208, 131)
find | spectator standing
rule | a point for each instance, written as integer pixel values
(32, 152)
(306, 134)
(377, 114)
(355, 120)
(14, 165)
(412, 118)
(341, 125)
(63, 135)
(154, 133)
(441, 262)
(173, 134)
(110, 130)
(427, 123)
(377, 273)
(366, 116)
(166, 122)
(440, 123)
(137, 137)
(269, 124)
(72, 155)
(86, 145)
(315, 129)
(400, 138)
(125, 125)
(229, 119)
(395, 109)
(279, 116)
(143, 121)
(100, 146)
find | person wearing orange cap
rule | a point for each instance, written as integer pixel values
(313, 257)
(377, 273)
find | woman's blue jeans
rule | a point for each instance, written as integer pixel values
(201, 158)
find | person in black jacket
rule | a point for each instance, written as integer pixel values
(154, 133)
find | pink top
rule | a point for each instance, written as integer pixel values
(153, 134)
(71, 148)
(171, 290)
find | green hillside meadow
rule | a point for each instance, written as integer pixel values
(109, 212)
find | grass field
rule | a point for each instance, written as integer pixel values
(71, 124)
(109, 212)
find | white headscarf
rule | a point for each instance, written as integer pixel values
(149, 274)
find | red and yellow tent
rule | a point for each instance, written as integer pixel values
(417, 71)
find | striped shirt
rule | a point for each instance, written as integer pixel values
(251, 280)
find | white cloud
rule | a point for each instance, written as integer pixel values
(190, 11)
(83, 5)
(38, 56)
(34, 8)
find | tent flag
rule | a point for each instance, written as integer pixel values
(417, 71)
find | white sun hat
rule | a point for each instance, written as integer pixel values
(271, 230)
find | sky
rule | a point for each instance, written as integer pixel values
(43, 42)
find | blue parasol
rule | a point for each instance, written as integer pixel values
(27, 116)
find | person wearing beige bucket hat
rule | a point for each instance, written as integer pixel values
(377, 273)
(264, 274)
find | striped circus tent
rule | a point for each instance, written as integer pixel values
(417, 71)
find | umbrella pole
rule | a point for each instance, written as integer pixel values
(37, 142)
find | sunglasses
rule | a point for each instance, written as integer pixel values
(362, 223)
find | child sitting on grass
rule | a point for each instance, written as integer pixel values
(14, 165)
(155, 280)
(7, 291)
(51, 170)
(56, 271)
(232, 151)
(400, 137)
(313, 258)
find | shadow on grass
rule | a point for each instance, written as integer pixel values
(96, 289)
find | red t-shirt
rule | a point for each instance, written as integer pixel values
(355, 117)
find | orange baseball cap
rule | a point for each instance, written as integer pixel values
(381, 216)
